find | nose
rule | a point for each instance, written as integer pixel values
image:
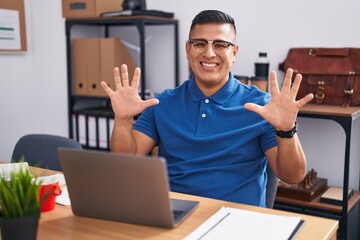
(209, 52)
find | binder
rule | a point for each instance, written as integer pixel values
(113, 53)
(95, 60)
(93, 67)
(92, 131)
(82, 129)
(80, 67)
(103, 143)
(75, 127)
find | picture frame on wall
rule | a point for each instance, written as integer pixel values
(12, 26)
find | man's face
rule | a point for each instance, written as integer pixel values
(212, 69)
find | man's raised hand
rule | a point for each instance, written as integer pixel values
(125, 99)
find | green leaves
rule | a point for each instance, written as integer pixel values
(19, 196)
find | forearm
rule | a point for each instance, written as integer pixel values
(122, 138)
(291, 160)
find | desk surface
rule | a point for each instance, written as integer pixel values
(62, 224)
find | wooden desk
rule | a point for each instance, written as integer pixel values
(62, 224)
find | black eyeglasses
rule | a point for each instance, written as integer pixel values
(219, 46)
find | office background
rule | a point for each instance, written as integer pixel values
(33, 92)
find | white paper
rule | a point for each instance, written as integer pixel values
(7, 168)
(63, 198)
(232, 223)
(9, 30)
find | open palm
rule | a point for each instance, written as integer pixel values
(125, 100)
(281, 112)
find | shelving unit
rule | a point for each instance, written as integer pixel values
(98, 109)
(348, 212)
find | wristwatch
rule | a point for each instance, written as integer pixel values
(287, 134)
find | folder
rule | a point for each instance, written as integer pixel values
(79, 67)
(92, 131)
(75, 127)
(93, 67)
(113, 53)
(82, 129)
(234, 223)
(95, 60)
(103, 143)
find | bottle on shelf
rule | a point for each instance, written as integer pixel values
(261, 72)
(262, 65)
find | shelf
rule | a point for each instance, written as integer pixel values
(320, 205)
(90, 118)
(344, 116)
(126, 19)
(330, 110)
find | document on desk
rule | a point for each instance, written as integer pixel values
(233, 223)
(63, 198)
(7, 168)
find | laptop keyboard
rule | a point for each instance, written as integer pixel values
(177, 213)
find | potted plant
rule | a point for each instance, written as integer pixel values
(19, 205)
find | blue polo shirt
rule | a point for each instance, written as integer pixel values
(214, 147)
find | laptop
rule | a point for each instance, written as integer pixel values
(121, 187)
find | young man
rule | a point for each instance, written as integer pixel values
(216, 134)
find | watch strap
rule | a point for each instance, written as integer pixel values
(287, 134)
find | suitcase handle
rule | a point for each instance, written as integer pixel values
(329, 52)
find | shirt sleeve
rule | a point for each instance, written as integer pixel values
(146, 122)
(268, 137)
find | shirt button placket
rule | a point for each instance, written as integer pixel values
(204, 114)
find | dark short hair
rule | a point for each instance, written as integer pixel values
(212, 16)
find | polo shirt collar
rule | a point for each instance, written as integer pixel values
(220, 96)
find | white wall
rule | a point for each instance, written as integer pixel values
(33, 89)
(33, 85)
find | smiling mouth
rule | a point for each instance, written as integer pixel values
(209, 65)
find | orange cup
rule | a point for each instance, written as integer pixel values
(49, 192)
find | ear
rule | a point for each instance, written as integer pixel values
(235, 51)
(187, 50)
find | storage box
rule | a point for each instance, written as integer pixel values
(89, 8)
(94, 60)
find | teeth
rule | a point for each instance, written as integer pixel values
(209, 64)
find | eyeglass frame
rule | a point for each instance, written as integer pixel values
(191, 42)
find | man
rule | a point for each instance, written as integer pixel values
(216, 134)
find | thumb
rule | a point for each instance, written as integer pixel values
(253, 107)
(150, 102)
